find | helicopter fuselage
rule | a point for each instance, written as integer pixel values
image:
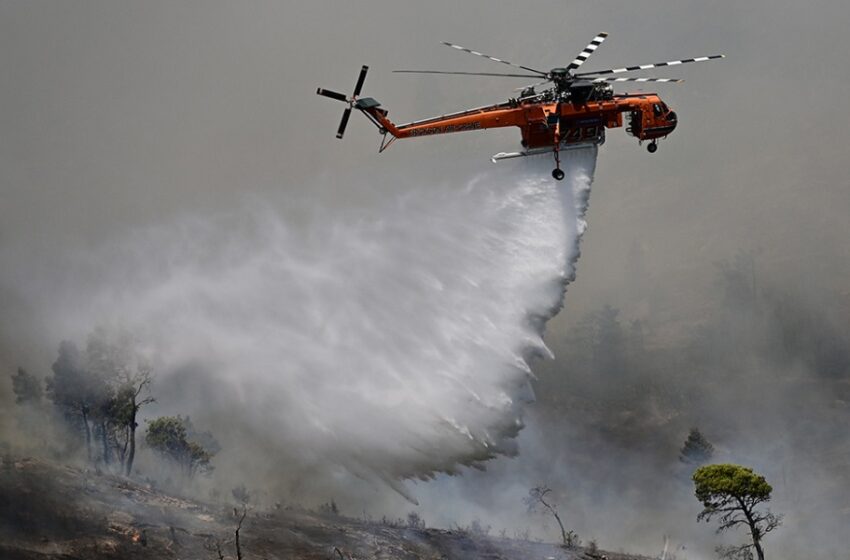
(544, 120)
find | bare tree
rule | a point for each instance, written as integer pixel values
(539, 496)
(134, 385)
(215, 544)
(239, 528)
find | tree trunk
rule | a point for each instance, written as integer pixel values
(105, 442)
(85, 414)
(558, 519)
(132, 453)
(122, 448)
(759, 551)
(561, 525)
(238, 528)
(755, 531)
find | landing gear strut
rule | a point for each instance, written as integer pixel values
(652, 147)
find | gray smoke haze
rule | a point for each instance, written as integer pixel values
(120, 118)
(763, 376)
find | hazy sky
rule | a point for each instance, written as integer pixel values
(117, 114)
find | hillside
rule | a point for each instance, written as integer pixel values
(63, 512)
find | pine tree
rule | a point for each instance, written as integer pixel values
(697, 450)
(733, 494)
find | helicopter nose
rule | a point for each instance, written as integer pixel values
(672, 119)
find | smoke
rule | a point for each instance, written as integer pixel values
(763, 374)
(386, 343)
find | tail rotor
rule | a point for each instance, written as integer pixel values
(343, 123)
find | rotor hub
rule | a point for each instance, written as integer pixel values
(561, 77)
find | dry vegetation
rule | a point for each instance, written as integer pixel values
(59, 511)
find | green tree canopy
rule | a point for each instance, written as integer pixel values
(101, 390)
(76, 390)
(168, 436)
(732, 493)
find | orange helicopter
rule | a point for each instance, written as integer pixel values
(573, 112)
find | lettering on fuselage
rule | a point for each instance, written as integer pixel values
(570, 135)
(444, 129)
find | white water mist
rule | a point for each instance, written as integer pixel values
(392, 345)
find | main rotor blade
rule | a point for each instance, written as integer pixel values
(493, 58)
(648, 66)
(463, 73)
(662, 80)
(532, 85)
(588, 50)
(332, 94)
(343, 123)
(360, 80)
